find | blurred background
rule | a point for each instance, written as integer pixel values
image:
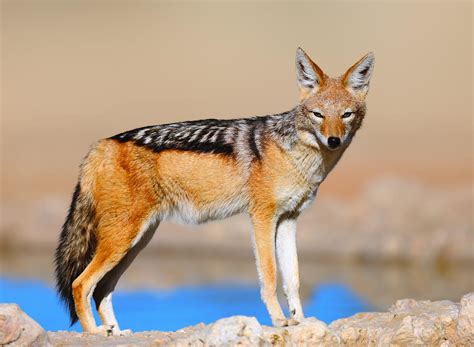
(393, 220)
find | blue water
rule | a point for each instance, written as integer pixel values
(174, 309)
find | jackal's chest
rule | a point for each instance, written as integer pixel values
(307, 172)
(296, 199)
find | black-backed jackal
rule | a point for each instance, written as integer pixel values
(269, 167)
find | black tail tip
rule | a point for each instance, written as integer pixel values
(72, 321)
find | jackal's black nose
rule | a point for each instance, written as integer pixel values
(334, 142)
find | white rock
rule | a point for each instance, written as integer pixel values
(465, 325)
(18, 329)
(408, 322)
(234, 330)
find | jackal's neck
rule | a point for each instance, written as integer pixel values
(310, 158)
(282, 127)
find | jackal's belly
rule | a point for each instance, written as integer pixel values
(198, 188)
(187, 212)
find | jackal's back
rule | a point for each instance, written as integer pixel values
(242, 138)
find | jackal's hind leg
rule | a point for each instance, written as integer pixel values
(107, 315)
(83, 287)
(105, 288)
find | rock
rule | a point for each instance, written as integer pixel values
(408, 322)
(234, 330)
(241, 330)
(18, 329)
(411, 322)
(309, 332)
(465, 324)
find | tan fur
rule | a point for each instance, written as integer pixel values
(188, 173)
(270, 181)
(122, 190)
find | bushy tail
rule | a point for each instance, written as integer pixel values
(76, 246)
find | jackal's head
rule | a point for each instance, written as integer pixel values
(333, 108)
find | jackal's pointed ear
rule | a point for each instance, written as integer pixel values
(357, 78)
(310, 76)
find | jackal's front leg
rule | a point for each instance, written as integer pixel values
(264, 238)
(288, 263)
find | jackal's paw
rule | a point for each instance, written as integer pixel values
(292, 321)
(103, 330)
(110, 330)
(280, 322)
(125, 332)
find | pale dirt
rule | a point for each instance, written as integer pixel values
(407, 322)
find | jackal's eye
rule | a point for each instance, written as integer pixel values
(347, 114)
(318, 114)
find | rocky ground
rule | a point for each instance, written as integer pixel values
(408, 322)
